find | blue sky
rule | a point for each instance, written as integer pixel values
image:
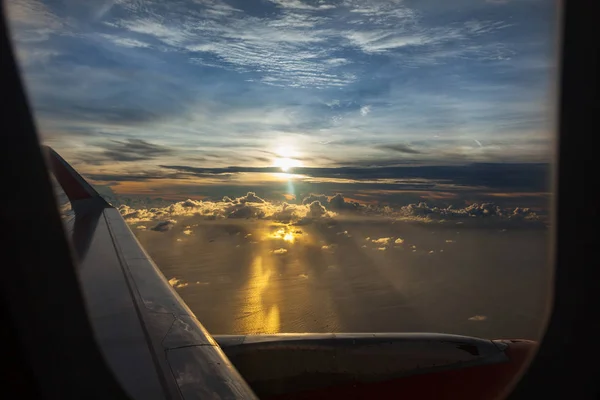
(128, 87)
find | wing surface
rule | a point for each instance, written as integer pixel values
(154, 344)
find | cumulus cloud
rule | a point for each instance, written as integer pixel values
(338, 203)
(490, 211)
(315, 197)
(316, 209)
(248, 206)
(164, 226)
(177, 283)
(251, 197)
(383, 240)
(251, 206)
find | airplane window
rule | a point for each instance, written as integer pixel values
(315, 165)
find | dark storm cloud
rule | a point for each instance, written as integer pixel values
(518, 176)
(399, 148)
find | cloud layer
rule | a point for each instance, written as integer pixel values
(319, 208)
(224, 81)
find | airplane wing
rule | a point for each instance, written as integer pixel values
(157, 348)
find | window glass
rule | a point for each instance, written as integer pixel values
(314, 166)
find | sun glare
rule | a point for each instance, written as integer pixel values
(285, 159)
(285, 164)
(285, 234)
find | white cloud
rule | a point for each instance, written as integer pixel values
(125, 42)
(248, 206)
(177, 283)
(364, 110)
(383, 240)
(299, 5)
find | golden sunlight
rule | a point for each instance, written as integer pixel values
(286, 234)
(286, 159)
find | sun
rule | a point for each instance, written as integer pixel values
(285, 164)
(286, 159)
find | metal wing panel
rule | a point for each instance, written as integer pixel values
(159, 305)
(136, 315)
(113, 315)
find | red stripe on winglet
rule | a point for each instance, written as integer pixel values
(69, 180)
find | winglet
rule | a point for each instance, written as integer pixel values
(75, 187)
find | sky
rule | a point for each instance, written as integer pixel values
(379, 100)
(343, 165)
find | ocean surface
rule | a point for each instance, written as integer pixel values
(256, 276)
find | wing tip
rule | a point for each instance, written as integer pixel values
(73, 184)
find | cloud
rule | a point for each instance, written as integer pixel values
(164, 226)
(338, 203)
(383, 240)
(251, 197)
(315, 197)
(482, 212)
(505, 176)
(300, 5)
(400, 148)
(125, 42)
(249, 206)
(127, 177)
(280, 251)
(33, 21)
(206, 74)
(475, 214)
(132, 150)
(178, 283)
(316, 209)
(220, 36)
